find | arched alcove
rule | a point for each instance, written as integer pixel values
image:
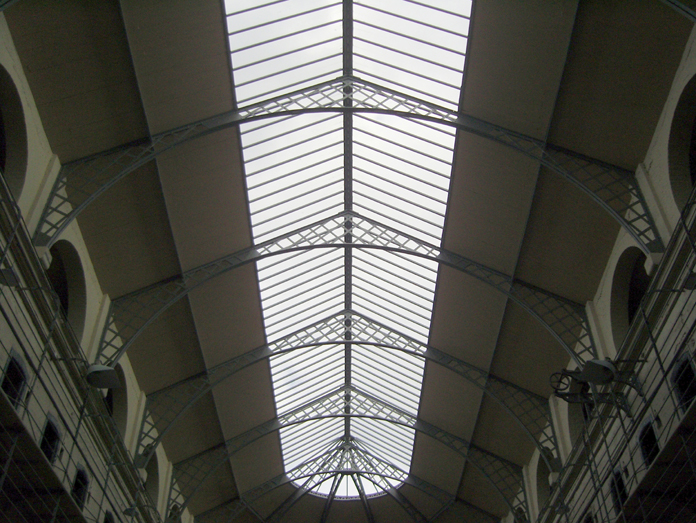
(116, 400)
(629, 285)
(684, 379)
(68, 281)
(682, 145)
(152, 480)
(50, 441)
(543, 486)
(13, 135)
(649, 444)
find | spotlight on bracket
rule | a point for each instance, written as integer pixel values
(102, 377)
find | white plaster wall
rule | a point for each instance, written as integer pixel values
(656, 164)
(41, 162)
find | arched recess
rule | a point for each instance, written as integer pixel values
(68, 281)
(152, 481)
(629, 284)
(682, 146)
(13, 135)
(116, 400)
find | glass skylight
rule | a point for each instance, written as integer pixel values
(303, 168)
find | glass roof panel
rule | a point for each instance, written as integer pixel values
(299, 170)
(412, 47)
(281, 46)
(294, 172)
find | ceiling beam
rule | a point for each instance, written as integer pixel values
(166, 407)
(614, 189)
(189, 475)
(131, 314)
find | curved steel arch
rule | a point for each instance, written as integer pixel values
(386, 472)
(164, 408)
(190, 474)
(613, 188)
(259, 491)
(131, 314)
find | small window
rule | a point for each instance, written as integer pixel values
(649, 445)
(13, 382)
(619, 495)
(109, 518)
(588, 518)
(50, 441)
(80, 488)
(685, 382)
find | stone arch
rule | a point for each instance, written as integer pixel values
(152, 481)
(67, 278)
(13, 135)
(682, 146)
(629, 284)
(116, 400)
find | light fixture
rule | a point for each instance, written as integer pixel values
(102, 377)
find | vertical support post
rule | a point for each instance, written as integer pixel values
(10, 457)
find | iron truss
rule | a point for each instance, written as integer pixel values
(613, 188)
(165, 407)
(131, 314)
(347, 460)
(189, 475)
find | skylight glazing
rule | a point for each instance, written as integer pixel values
(308, 167)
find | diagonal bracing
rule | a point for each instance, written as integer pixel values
(131, 314)
(164, 408)
(81, 182)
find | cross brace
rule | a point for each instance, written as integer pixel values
(613, 188)
(348, 458)
(165, 407)
(131, 314)
(190, 474)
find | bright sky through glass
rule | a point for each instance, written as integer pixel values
(394, 171)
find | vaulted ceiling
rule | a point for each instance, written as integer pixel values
(589, 77)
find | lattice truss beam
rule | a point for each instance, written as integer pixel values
(347, 461)
(613, 188)
(131, 314)
(165, 407)
(229, 511)
(189, 475)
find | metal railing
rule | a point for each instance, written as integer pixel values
(34, 330)
(611, 474)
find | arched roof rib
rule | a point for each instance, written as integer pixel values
(131, 314)
(166, 407)
(189, 475)
(82, 181)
